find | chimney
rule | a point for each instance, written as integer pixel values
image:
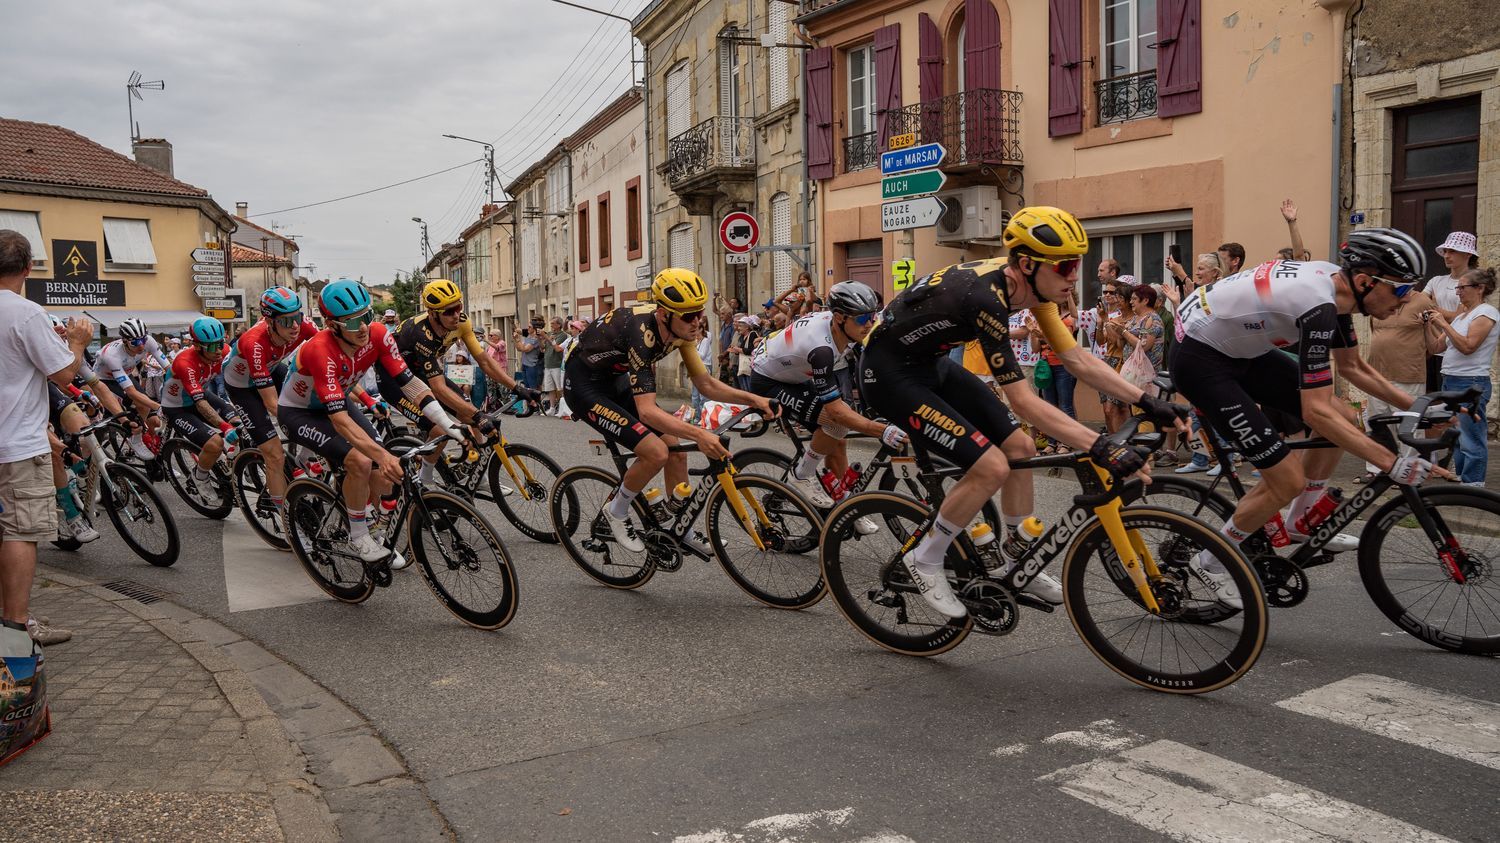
(155, 153)
(242, 210)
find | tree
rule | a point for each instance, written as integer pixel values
(404, 290)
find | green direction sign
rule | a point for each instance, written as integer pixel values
(917, 183)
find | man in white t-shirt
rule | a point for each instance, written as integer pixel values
(30, 355)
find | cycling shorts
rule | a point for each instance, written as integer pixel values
(801, 402)
(193, 427)
(57, 402)
(313, 429)
(603, 400)
(1249, 402)
(946, 409)
(258, 424)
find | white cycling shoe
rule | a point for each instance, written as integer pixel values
(866, 526)
(699, 542)
(935, 589)
(1045, 586)
(81, 531)
(140, 449)
(1216, 577)
(624, 532)
(812, 490)
(370, 550)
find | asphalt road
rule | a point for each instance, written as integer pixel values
(686, 711)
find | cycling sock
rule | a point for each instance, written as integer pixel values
(65, 500)
(200, 474)
(1310, 494)
(807, 467)
(619, 505)
(358, 526)
(425, 473)
(1235, 535)
(928, 555)
(277, 500)
(1014, 521)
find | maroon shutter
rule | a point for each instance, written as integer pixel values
(1065, 72)
(887, 78)
(819, 95)
(1179, 61)
(930, 77)
(982, 127)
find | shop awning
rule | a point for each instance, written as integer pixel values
(158, 321)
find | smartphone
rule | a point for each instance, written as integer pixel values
(1176, 252)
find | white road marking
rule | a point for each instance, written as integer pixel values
(795, 828)
(1009, 750)
(258, 576)
(1190, 795)
(1462, 727)
(1100, 734)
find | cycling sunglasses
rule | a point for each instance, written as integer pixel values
(1065, 266)
(690, 318)
(211, 347)
(290, 320)
(1399, 287)
(354, 323)
(864, 318)
(453, 311)
(138, 341)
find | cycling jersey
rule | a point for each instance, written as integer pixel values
(253, 356)
(802, 352)
(626, 341)
(1275, 305)
(187, 380)
(322, 373)
(422, 348)
(116, 359)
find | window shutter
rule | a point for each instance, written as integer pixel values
(1180, 61)
(782, 273)
(981, 46)
(887, 77)
(819, 94)
(1065, 74)
(129, 242)
(930, 77)
(28, 223)
(677, 100)
(778, 16)
(727, 106)
(680, 246)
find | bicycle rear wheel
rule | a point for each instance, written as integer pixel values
(1455, 606)
(526, 505)
(577, 504)
(317, 528)
(868, 584)
(211, 500)
(1160, 651)
(786, 574)
(463, 560)
(140, 516)
(1190, 497)
(902, 478)
(253, 497)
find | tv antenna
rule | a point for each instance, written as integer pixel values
(133, 88)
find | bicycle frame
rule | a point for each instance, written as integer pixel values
(884, 457)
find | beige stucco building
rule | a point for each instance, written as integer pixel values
(612, 250)
(544, 259)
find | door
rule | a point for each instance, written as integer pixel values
(865, 262)
(1435, 170)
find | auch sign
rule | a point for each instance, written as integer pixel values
(922, 157)
(918, 183)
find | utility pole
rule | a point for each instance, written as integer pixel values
(426, 243)
(491, 176)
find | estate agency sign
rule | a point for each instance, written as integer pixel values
(75, 281)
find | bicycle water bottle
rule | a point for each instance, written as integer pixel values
(851, 477)
(1026, 533)
(657, 501)
(1319, 511)
(681, 492)
(831, 484)
(1276, 531)
(981, 535)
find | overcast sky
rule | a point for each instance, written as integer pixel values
(282, 103)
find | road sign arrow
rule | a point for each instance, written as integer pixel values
(208, 256)
(910, 213)
(208, 278)
(912, 158)
(912, 184)
(209, 291)
(219, 304)
(209, 268)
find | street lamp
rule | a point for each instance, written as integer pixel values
(426, 243)
(489, 161)
(633, 61)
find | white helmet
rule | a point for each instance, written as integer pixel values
(132, 329)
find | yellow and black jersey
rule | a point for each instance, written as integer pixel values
(627, 340)
(423, 349)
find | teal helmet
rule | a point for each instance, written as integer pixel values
(207, 329)
(344, 298)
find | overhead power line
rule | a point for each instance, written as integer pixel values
(368, 192)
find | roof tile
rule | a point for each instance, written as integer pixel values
(42, 152)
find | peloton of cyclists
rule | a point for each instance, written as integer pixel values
(193, 410)
(117, 360)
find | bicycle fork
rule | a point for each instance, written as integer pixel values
(1443, 542)
(1129, 547)
(743, 503)
(524, 486)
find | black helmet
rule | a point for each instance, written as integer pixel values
(852, 298)
(1391, 252)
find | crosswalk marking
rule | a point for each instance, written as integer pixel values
(1190, 795)
(1462, 727)
(825, 825)
(258, 576)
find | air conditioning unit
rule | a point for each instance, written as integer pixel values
(971, 213)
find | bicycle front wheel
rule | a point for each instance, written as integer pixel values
(526, 502)
(1448, 598)
(212, 499)
(784, 571)
(1158, 650)
(140, 516)
(252, 495)
(317, 528)
(577, 504)
(463, 560)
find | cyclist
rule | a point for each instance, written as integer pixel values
(422, 341)
(66, 416)
(315, 411)
(907, 376)
(610, 382)
(193, 409)
(1228, 363)
(800, 366)
(253, 374)
(117, 360)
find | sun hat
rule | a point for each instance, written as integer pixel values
(1460, 241)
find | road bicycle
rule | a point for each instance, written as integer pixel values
(178, 459)
(1122, 594)
(751, 528)
(253, 495)
(1427, 557)
(126, 495)
(460, 555)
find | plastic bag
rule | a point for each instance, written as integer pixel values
(1042, 375)
(1138, 369)
(24, 715)
(716, 413)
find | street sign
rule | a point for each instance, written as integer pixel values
(912, 158)
(208, 278)
(910, 213)
(208, 256)
(209, 291)
(902, 141)
(220, 313)
(736, 258)
(220, 304)
(739, 232)
(902, 272)
(209, 268)
(643, 276)
(918, 183)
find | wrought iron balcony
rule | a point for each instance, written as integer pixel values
(976, 127)
(1128, 97)
(861, 152)
(702, 162)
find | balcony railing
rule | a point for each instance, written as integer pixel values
(861, 152)
(982, 126)
(1128, 97)
(717, 144)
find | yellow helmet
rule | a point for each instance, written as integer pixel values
(440, 293)
(1046, 231)
(679, 290)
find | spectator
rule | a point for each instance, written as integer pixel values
(1460, 253)
(494, 348)
(1205, 271)
(1298, 250)
(465, 389)
(1468, 343)
(1108, 321)
(552, 356)
(390, 318)
(747, 340)
(1144, 327)
(705, 347)
(1059, 392)
(1231, 259)
(30, 355)
(1023, 333)
(1391, 346)
(529, 343)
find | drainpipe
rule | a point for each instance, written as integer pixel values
(809, 230)
(650, 174)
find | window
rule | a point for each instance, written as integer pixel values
(633, 218)
(680, 246)
(782, 267)
(678, 105)
(1127, 85)
(778, 15)
(862, 90)
(603, 226)
(29, 225)
(729, 74)
(1140, 243)
(583, 236)
(127, 244)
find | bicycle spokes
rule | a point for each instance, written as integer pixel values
(1129, 551)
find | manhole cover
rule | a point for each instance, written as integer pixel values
(139, 592)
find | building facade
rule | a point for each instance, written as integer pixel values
(544, 259)
(251, 273)
(112, 237)
(612, 250)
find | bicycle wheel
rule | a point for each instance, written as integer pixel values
(526, 505)
(140, 516)
(211, 500)
(317, 528)
(763, 461)
(577, 504)
(902, 478)
(463, 560)
(786, 574)
(1188, 496)
(1158, 651)
(868, 584)
(253, 498)
(1450, 599)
